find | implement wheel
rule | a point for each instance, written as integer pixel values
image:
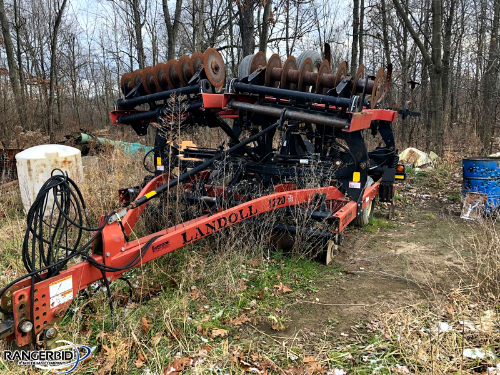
(367, 212)
(365, 216)
(330, 250)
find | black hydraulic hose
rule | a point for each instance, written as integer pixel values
(130, 103)
(158, 113)
(145, 198)
(291, 114)
(144, 160)
(272, 91)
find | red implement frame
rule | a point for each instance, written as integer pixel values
(219, 103)
(54, 295)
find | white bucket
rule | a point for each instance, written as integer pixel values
(35, 165)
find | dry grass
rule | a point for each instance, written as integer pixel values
(189, 304)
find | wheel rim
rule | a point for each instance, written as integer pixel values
(331, 249)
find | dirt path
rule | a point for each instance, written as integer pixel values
(406, 261)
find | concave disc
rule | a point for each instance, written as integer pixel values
(341, 72)
(307, 66)
(290, 64)
(360, 74)
(160, 77)
(184, 69)
(196, 61)
(258, 61)
(323, 69)
(147, 80)
(126, 83)
(274, 62)
(172, 76)
(137, 76)
(377, 88)
(214, 67)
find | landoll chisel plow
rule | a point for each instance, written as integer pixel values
(287, 124)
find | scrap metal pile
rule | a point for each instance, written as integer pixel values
(287, 124)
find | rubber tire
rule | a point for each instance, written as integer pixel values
(315, 57)
(367, 212)
(328, 255)
(365, 216)
(244, 66)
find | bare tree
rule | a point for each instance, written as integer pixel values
(53, 62)
(247, 26)
(172, 26)
(361, 30)
(355, 36)
(11, 60)
(434, 66)
(489, 81)
(264, 30)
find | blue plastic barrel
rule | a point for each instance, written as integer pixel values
(482, 175)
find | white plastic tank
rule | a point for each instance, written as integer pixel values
(35, 165)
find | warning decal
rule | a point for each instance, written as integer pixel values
(354, 185)
(61, 291)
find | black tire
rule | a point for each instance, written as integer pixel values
(330, 250)
(365, 216)
(244, 66)
(367, 212)
(315, 57)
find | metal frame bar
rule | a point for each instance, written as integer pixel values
(117, 252)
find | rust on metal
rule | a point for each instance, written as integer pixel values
(196, 61)
(184, 69)
(148, 81)
(160, 77)
(287, 81)
(214, 67)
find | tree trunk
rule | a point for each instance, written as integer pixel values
(11, 61)
(234, 71)
(18, 27)
(436, 81)
(387, 49)
(434, 66)
(199, 37)
(52, 74)
(447, 53)
(247, 27)
(355, 36)
(264, 34)
(172, 27)
(489, 82)
(361, 31)
(138, 33)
